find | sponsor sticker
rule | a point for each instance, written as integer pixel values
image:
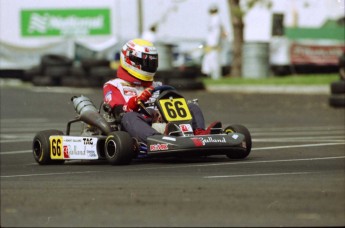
(186, 128)
(65, 151)
(235, 136)
(202, 141)
(159, 147)
(108, 96)
(73, 147)
(127, 91)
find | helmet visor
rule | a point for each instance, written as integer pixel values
(148, 62)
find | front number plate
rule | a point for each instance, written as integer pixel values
(175, 109)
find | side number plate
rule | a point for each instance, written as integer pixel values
(56, 151)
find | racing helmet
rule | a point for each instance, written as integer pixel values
(140, 59)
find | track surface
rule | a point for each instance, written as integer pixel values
(293, 177)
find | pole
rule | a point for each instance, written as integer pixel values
(140, 17)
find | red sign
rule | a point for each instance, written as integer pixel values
(157, 147)
(186, 127)
(313, 54)
(65, 152)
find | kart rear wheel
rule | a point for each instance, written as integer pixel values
(41, 147)
(119, 148)
(248, 139)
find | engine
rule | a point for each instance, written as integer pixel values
(89, 114)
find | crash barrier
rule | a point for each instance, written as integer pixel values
(183, 79)
(255, 60)
(337, 97)
(57, 70)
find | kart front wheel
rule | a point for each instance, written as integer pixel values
(248, 140)
(41, 147)
(119, 148)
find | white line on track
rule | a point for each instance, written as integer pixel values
(330, 137)
(295, 141)
(258, 175)
(61, 89)
(298, 146)
(281, 133)
(16, 140)
(15, 152)
(24, 120)
(48, 174)
(296, 129)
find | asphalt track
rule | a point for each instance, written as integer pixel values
(293, 177)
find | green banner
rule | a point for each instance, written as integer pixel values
(62, 22)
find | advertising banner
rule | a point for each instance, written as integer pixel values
(16, 57)
(315, 54)
(62, 22)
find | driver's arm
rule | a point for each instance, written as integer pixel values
(113, 96)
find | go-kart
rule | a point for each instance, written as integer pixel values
(103, 138)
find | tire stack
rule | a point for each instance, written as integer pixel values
(51, 70)
(337, 98)
(182, 79)
(58, 70)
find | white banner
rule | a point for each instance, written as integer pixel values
(17, 57)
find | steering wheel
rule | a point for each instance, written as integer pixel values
(163, 88)
(157, 88)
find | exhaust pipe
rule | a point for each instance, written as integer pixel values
(89, 114)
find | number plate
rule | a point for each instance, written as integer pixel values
(73, 147)
(56, 151)
(175, 109)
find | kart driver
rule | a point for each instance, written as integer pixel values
(134, 82)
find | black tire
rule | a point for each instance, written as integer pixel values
(186, 84)
(338, 87)
(55, 60)
(337, 101)
(31, 73)
(119, 148)
(41, 147)
(77, 72)
(99, 75)
(248, 138)
(102, 72)
(342, 60)
(42, 80)
(57, 71)
(88, 64)
(76, 82)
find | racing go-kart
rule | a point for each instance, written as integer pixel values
(103, 138)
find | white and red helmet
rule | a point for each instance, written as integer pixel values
(140, 59)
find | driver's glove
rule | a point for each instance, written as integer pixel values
(146, 94)
(132, 104)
